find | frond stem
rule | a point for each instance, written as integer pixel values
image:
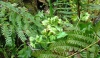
(83, 49)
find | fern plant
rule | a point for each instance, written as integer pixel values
(80, 41)
(74, 9)
(17, 24)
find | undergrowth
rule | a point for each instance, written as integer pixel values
(41, 36)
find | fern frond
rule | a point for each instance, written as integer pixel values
(20, 11)
(81, 37)
(77, 40)
(50, 56)
(19, 29)
(6, 32)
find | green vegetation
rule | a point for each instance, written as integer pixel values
(70, 29)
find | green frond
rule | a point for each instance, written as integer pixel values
(76, 40)
(20, 19)
(12, 17)
(6, 32)
(50, 56)
(82, 37)
(20, 11)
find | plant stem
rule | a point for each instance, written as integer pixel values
(83, 49)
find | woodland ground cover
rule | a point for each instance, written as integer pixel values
(62, 29)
